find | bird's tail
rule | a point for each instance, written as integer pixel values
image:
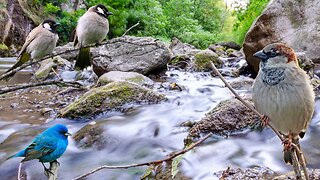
(20, 60)
(83, 59)
(19, 154)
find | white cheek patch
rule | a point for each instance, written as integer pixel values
(100, 10)
(47, 26)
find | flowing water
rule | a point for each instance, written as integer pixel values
(151, 132)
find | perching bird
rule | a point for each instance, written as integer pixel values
(282, 91)
(47, 146)
(92, 28)
(40, 42)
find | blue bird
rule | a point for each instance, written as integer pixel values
(47, 146)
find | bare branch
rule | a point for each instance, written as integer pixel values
(7, 89)
(125, 33)
(170, 157)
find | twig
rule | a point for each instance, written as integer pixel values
(298, 151)
(19, 171)
(125, 33)
(54, 171)
(170, 157)
(7, 89)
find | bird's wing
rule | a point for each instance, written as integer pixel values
(75, 39)
(41, 146)
(31, 36)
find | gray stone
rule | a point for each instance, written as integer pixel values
(202, 59)
(296, 23)
(144, 55)
(227, 117)
(119, 76)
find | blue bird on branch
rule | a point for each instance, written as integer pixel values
(47, 146)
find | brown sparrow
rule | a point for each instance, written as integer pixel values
(282, 91)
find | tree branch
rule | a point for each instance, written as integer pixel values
(125, 33)
(170, 157)
(7, 89)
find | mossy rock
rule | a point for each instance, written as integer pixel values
(202, 59)
(119, 76)
(112, 96)
(180, 61)
(4, 50)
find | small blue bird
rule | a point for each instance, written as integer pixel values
(47, 146)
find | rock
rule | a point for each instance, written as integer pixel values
(242, 83)
(233, 53)
(202, 59)
(220, 50)
(315, 82)
(70, 56)
(227, 117)
(47, 65)
(295, 23)
(313, 174)
(180, 61)
(305, 62)
(137, 54)
(119, 76)
(93, 135)
(179, 48)
(230, 45)
(112, 96)
(249, 173)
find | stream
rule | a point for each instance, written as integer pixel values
(148, 133)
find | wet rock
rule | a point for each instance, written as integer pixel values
(313, 174)
(229, 45)
(305, 62)
(202, 59)
(233, 53)
(131, 54)
(93, 135)
(242, 83)
(250, 173)
(315, 82)
(295, 23)
(4, 50)
(179, 48)
(180, 61)
(112, 96)
(47, 65)
(219, 50)
(119, 76)
(227, 117)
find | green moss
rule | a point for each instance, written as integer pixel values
(3, 47)
(203, 58)
(109, 97)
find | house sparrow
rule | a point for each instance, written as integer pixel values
(92, 28)
(40, 42)
(282, 92)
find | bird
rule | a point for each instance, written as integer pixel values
(40, 42)
(47, 146)
(92, 28)
(282, 92)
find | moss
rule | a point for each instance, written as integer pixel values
(203, 58)
(109, 97)
(3, 47)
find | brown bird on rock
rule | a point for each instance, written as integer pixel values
(92, 28)
(282, 92)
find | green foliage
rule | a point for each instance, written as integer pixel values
(246, 16)
(198, 22)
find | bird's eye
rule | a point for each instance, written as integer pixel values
(272, 53)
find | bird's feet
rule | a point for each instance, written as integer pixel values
(47, 171)
(264, 121)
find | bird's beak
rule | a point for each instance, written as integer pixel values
(68, 134)
(109, 13)
(261, 55)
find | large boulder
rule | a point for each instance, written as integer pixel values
(145, 55)
(119, 76)
(295, 23)
(112, 96)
